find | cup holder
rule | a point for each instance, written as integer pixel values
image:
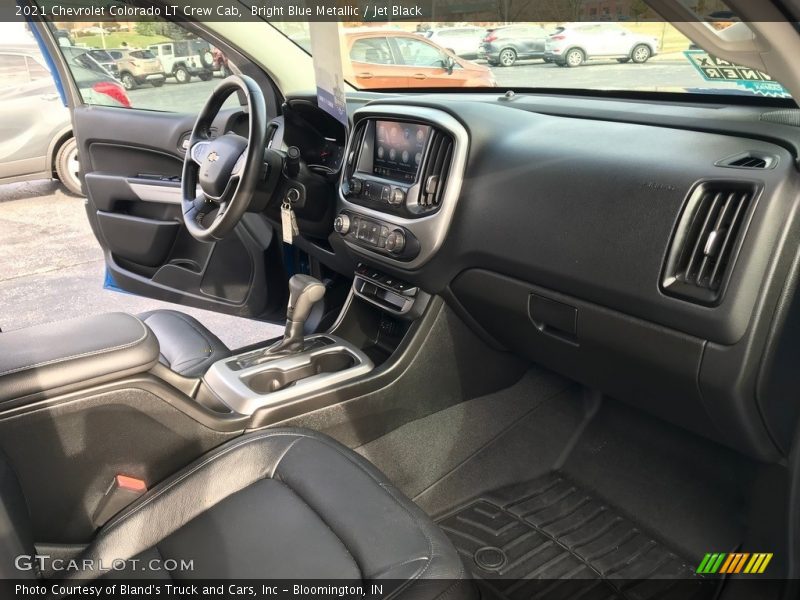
(273, 380)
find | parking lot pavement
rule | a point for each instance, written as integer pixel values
(51, 268)
(190, 97)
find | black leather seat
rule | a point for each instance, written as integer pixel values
(282, 503)
(187, 347)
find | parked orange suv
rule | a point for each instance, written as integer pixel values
(396, 59)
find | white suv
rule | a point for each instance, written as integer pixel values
(184, 59)
(461, 41)
(579, 42)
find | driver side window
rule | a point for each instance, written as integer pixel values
(153, 65)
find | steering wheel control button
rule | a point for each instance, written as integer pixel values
(342, 224)
(396, 241)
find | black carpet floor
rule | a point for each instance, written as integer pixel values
(543, 480)
(531, 539)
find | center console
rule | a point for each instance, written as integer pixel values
(401, 180)
(261, 379)
(400, 184)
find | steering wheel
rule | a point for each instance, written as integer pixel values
(226, 168)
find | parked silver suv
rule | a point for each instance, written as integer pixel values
(36, 140)
(576, 43)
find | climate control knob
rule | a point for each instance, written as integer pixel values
(342, 224)
(398, 197)
(396, 241)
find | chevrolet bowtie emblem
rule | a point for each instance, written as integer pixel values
(213, 157)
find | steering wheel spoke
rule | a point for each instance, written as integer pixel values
(238, 168)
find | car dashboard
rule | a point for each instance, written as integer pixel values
(644, 249)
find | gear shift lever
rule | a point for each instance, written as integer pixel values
(304, 292)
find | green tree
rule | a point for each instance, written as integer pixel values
(145, 28)
(639, 9)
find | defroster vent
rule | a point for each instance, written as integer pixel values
(435, 170)
(707, 240)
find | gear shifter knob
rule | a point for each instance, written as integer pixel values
(304, 292)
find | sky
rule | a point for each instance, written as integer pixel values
(14, 33)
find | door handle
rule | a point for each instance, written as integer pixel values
(365, 75)
(419, 76)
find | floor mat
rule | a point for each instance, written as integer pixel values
(550, 538)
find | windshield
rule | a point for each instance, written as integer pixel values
(645, 56)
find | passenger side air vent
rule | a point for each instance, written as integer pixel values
(707, 240)
(355, 147)
(749, 160)
(434, 173)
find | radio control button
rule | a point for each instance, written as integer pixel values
(355, 186)
(374, 234)
(386, 193)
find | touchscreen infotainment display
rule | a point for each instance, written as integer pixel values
(399, 148)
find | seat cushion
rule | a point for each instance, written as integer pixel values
(187, 347)
(286, 503)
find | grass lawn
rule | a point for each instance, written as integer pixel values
(114, 40)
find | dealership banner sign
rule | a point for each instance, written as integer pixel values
(719, 70)
(326, 52)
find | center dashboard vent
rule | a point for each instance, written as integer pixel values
(433, 178)
(707, 240)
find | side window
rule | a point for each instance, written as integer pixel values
(13, 70)
(420, 54)
(21, 77)
(150, 65)
(373, 50)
